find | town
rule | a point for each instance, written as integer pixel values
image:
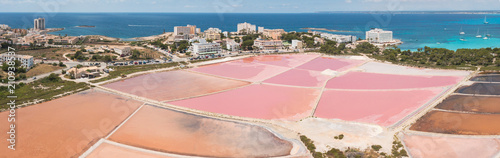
(43, 53)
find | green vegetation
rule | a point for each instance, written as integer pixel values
(333, 153)
(125, 70)
(79, 56)
(398, 150)
(181, 46)
(17, 66)
(330, 47)
(47, 89)
(339, 137)
(203, 60)
(136, 55)
(376, 147)
(486, 58)
(366, 48)
(103, 58)
(309, 143)
(307, 38)
(19, 71)
(248, 41)
(39, 69)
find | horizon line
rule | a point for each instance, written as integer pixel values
(276, 12)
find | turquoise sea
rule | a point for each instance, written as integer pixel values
(415, 30)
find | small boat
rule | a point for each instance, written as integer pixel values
(438, 43)
(462, 39)
(478, 35)
(461, 32)
(485, 38)
(485, 21)
(487, 34)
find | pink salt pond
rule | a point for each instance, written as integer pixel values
(296, 77)
(253, 72)
(363, 80)
(446, 146)
(384, 108)
(288, 60)
(336, 64)
(258, 101)
(179, 133)
(174, 85)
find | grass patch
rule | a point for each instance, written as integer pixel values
(46, 89)
(203, 60)
(42, 69)
(126, 70)
(48, 53)
(490, 68)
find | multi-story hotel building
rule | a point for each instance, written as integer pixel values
(39, 24)
(185, 30)
(246, 28)
(26, 60)
(379, 36)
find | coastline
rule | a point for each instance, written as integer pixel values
(329, 30)
(153, 37)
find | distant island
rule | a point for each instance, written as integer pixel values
(414, 12)
(324, 29)
(85, 26)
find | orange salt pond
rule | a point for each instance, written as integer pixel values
(173, 85)
(66, 127)
(106, 150)
(164, 130)
(449, 146)
(477, 104)
(458, 123)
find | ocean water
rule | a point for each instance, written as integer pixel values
(415, 30)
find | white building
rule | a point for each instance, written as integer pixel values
(232, 45)
(39, 24)
(338, 38)
(123, 52)
(181, 30)
(297, 44)
(261, 30)
(26, 60)
(185, 30)
(204, 48)
(214, 30)
(213, 34)
(379, 36)
(268, 44)
(4, 27)
(246, 28)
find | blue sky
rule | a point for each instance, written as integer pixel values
(242, 6)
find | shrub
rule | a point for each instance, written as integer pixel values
(376, 147)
